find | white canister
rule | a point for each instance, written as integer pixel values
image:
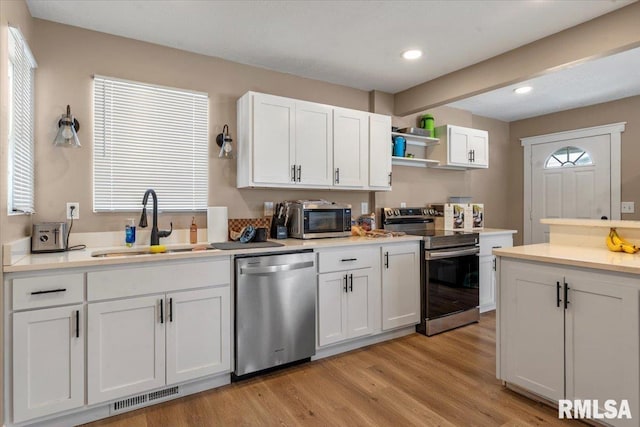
(217, 224)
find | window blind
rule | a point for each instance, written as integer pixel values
(21, 72)
(148, 136)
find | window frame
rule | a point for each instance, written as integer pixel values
(164, 124)
(20, 135)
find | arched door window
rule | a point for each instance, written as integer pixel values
(568, 156)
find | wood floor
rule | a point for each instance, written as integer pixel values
(446, 380)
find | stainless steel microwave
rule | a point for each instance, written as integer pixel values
(314, 219)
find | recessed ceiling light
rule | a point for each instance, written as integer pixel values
(523, 90)
(412, 54)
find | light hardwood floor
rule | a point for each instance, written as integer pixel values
(445, 380)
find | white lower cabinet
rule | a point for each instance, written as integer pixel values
(400, 285)
(138, 344)
(569, 333)
(48, 361)
(125, 352)
(487, 267)
(346, 303)
(198, 334)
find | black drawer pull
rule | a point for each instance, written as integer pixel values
(50, 291)
(77, 323)
(170, 309)
(161, 311)
(348, 259)
(346, 282)
(558, 300)
(351, 284)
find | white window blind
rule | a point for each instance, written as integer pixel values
(148, 136)
(21, 74)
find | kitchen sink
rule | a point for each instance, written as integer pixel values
(147, 251)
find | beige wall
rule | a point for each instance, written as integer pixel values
(607, 34)
(418, 186)
(623, 110)
(65, 175)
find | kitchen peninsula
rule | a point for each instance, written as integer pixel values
(567, 316)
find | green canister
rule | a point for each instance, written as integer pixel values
(427, 123)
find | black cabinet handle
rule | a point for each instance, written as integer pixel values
(351, 280)
(558, 300)
(469, 156)
(345, 282)
(77, 323)
(50, 291)
(386, 259)
(161, 311)
(299, 173)
(337, 175)
(293, 173)
(170, 309)
(494, 264)
(348, 259)
(566, 295)
(390, 178)
(473, 156)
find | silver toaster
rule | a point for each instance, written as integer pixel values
(49, 237)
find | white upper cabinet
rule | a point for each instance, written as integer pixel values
(350, 148)
(461, 147)
(379, 152)
(283, 142)
(288, 143)
(313, 148)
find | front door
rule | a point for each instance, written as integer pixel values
(569, 179)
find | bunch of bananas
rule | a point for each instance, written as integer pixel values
(616, 243)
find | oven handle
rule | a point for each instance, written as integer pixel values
(450, 254)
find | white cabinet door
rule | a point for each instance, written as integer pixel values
(487, 283)
(48, 361)
(360, 300)
(602, 340)
(126, 347)
(458, 146)
(487, 279)
(380, 152)
(332, 308)
(532, 327)
(479, 147)
(350, 148)
(400, 285)
(313, 144)
(273, 148)
(198, 333)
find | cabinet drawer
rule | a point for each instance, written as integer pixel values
(347, 258)
(44, 291)
(157, 278)
(488, 243)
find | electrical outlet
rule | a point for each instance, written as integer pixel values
(76, 210)
(403, 205)
(627, 207)
(364, 208)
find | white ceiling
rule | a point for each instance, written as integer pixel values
(601, 80)
(354, 43)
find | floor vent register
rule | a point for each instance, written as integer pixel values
(145, 399)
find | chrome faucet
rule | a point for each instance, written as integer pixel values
(155, 233)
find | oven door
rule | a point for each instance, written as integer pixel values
(451, 281)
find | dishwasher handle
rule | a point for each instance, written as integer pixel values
(275, 268)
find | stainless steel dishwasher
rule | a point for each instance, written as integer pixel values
(275, 310)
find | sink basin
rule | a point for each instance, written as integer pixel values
(147, 251)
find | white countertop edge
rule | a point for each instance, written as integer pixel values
(577, 256)
(496, 231)
(83, 258)
(591, 222)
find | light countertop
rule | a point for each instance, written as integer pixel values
(578, 256)
(83, 258)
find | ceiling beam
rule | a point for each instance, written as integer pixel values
(608, 34)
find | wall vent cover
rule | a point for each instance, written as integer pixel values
(143, 399)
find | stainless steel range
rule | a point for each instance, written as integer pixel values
(449, 291)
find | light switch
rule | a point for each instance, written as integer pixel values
(628, 207)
